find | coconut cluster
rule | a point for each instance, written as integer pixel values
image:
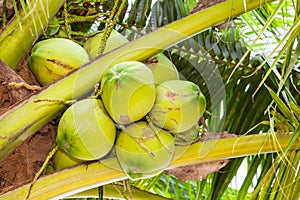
(140, 109)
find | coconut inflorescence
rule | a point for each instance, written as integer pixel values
(145, 101)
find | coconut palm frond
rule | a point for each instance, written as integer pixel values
(170, 187)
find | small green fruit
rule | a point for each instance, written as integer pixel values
(85, 131)
(115, 40)
(178, 106)
(53, 58)
(187, 137)
(128, 91)
(144, 150)
(162, 68)
(53, 26)
(62, 160)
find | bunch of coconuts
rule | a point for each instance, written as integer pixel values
(140, 110)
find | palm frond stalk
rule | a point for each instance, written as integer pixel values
(107, 171)
(19, 35)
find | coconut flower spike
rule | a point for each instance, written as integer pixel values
(37, 175)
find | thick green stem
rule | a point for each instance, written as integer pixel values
(84, 177)
(17, 38)
(113, 191)
(24, 119)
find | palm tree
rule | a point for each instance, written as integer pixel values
(247, 67)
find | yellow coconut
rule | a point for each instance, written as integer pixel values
(128, 91)
(162, 68)
(93, 44)
(85, 131)
(144, 150)
(53, 58)
(187, 137)
(178, 105)
(62, 160)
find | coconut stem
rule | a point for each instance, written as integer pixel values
(49, 156)
(63, 101)
(127, 186)
(66, 20)
(22, 84)
(97, 90)
(186, 140)
(154, 129)
(111, 22)
(202, 121)
(138, 140)
(202, 131)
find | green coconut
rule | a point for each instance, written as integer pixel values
(144, 150)
(115, 40)
(53, 58)
(62, 160)
(178, 105)
(162, 68)
(128, 91)
(85, 131)
(187, 137)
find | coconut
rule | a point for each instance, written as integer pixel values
(115, 40)
(187, 137)
(144, 150)
(178, 105)
(53, 58)
(85, 131)
(128, 91)
(62, 160)
(162, 68)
